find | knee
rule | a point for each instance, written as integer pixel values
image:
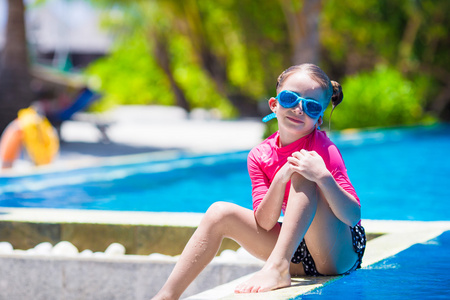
(219, 210)
(218, 213)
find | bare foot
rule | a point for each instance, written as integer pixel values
(270, 277)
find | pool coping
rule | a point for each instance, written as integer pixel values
(55, 215)
(396, 237)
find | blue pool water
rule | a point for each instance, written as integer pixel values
(420, 272)
(399, 174)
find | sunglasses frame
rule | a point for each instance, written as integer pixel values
(293, 104)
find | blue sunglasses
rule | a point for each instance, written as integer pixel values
(289, 99)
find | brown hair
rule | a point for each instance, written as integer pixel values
(332, 89)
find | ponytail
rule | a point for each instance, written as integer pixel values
(336, 98)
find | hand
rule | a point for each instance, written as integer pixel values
(285, 173)
(309, 164)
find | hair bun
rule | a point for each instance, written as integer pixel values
(337, 96)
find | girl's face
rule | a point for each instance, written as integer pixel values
(294, 123)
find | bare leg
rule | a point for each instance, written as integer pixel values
(299, 214)
(328, 239)
(221, 220)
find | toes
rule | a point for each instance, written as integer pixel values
(238, 289)
(246, 288)
(255, 289)
(250, 289)
(241, 288)
(262, 289)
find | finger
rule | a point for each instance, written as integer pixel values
(298, 154)
(296, 168)
(298, 171)
(293, 161)
(304, 152)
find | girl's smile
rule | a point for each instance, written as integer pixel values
(295, 120)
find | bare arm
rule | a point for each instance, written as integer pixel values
(343, 205)
(269, 209)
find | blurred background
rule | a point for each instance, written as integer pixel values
(224, 56)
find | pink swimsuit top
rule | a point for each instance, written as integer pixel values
(267, 158)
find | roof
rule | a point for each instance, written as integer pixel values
(62, 26)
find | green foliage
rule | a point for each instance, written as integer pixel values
(383, 97)
(361, 34)
(249, 42)
(409, 35)
(433, 42)
(193, 30)
(130, 76)
(198, 87)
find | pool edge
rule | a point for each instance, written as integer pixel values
(397, 236)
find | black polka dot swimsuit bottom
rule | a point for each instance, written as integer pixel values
(303, 256)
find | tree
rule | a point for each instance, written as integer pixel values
(410, 35)
(14, 68)
(302, 20)
(237, 48)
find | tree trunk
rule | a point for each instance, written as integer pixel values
(409, 37)
(214, 64)
(440, 104)
(14, 73)
(163, 60)
(303, 27)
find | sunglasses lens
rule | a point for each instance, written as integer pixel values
(312, 108)
(288, 100)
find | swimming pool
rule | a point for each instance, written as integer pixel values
(399, 174)
(420, 272)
